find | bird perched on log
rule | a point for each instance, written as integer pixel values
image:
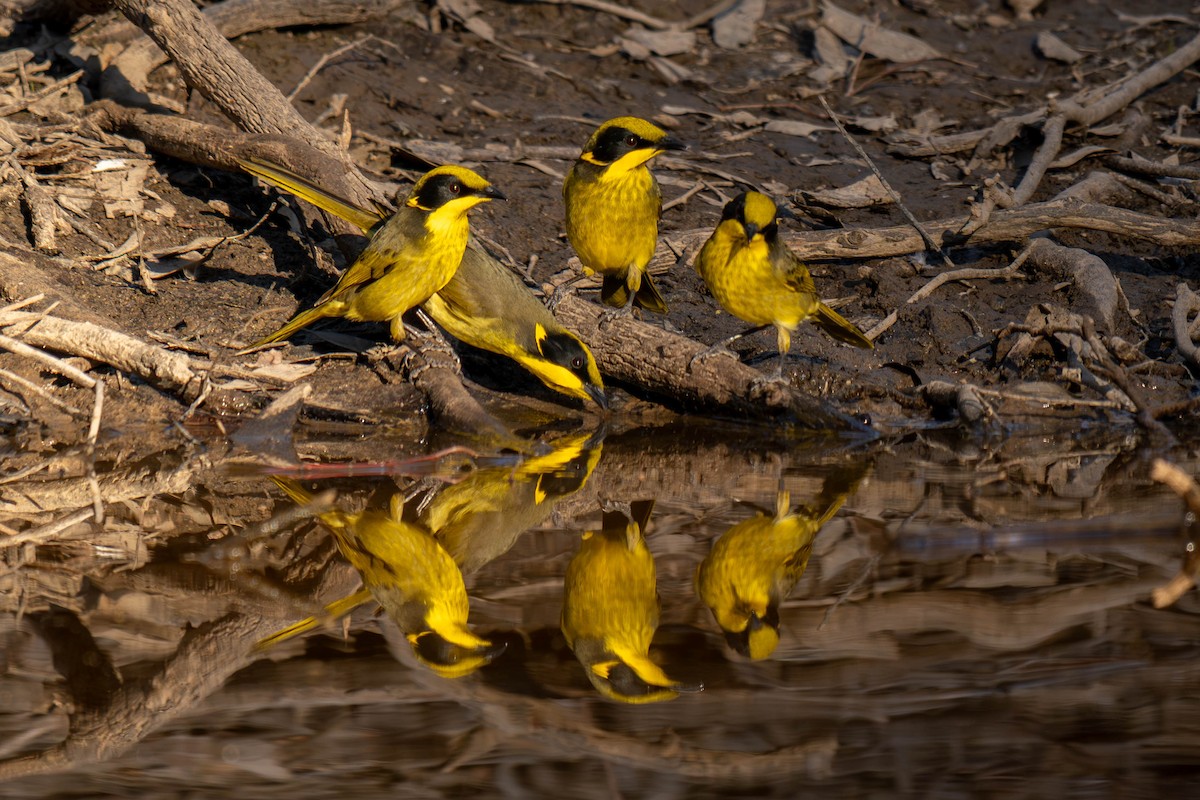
(411, 255)
(755, 277)
(484, 304)
(613, 204)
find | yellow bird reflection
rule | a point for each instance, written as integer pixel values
(480, 518)
(610, 611)
(754, 566)
(411, 576)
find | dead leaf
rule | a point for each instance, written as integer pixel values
(874, 39)
(830, 53)
(928, 121)
(1054, 48)
(659, 43)
(466, 12)
(862, 194)
(187, 263)
(793, 127)
(670, 71)
(735, 28)
(885, 124)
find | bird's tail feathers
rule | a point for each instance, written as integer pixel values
(301, 320)
(614, 292)
(841, 328)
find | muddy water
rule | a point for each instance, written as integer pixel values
(973, 618)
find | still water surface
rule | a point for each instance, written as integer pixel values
(968, 618)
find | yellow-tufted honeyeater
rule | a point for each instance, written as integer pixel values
(413, 254)
(411, 576)
(484, 304)
(613, 205)
(610, 610)
(479, 518)
(755, 277)
(755, 565)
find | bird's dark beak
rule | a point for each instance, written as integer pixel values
(751, 230)
(492, 193)
(671, 143)
(597, 394)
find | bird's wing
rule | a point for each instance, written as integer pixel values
(390, 248)
(792, 269)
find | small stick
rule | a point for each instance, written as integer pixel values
(946, 277)
(56, 364)
(33, 387)
(27, 101)
(323, 61)
(630, 14)
(48, 531)
(929, 243)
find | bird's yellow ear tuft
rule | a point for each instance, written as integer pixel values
(539, 335)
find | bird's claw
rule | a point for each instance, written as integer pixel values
(720, 348)
(610, 315)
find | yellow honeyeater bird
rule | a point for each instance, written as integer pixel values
(610, 611)
(484, 304)
(411, 576)
(411, 255)
(754, 566)
(480, 518)
(613, 205)
(755, 277)
(487, 306)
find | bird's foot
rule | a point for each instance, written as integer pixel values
(776, 379)
(610, 315)
(559, 294)
(720, 348)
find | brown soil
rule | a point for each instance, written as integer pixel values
(549, 83)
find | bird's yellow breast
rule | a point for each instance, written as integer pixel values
(748, 284)
(612, 217)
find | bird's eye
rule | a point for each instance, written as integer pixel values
(576, 363)
(455, 188)
(631, 140)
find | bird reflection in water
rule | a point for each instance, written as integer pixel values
(610, 610)
(480, 518)
(410, 575)
(755, 565)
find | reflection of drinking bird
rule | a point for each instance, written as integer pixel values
(481, 517)
(610, 610)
